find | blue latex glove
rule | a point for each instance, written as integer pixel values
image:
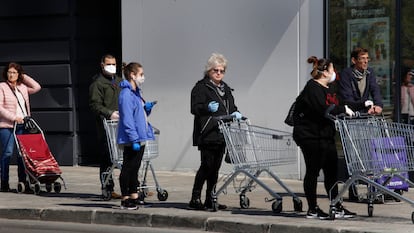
(236, 115)
(148, 106)
(213, 106)
(136, 146)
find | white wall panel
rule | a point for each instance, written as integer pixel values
(266, 42)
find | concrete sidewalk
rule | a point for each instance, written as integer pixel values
(82, 202)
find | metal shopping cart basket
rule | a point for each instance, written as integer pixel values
(116, 153)
(254, 150)
(374, 148)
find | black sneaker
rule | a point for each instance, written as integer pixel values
(128, 204)
(195, 204)
(341, 212)
(317, 213)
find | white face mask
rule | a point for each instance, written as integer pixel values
(111, 69)
(139, 80)
(333, 77)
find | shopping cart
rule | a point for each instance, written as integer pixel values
(116, 153)
(252, 151)
(375, 148)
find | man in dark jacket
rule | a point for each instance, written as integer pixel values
(103, 102)
(357, 85)
(210, 98)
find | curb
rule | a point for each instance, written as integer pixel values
(208, 224)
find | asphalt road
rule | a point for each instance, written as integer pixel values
(31, 226)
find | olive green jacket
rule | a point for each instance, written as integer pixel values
(103, 96)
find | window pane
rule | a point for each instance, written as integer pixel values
(368, 24)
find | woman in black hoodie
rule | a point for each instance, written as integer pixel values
(314, 133)
(210, 97)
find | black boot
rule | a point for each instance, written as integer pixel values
(4, 186)
(195, 202)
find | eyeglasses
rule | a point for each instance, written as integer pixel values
(12, 72)
(218, 71)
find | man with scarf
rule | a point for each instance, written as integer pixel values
(358, 87)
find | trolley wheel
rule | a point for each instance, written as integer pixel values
(48, 187)
(57, 187)
(370, 210)
(162, 196)
(277, 206)
(214, 205)
(144, 192)
(412, 217)
(20, 187)
(297, 204)
(37, 188)
(244, 202)
(332, 212)
(106, 194)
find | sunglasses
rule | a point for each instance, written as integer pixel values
(218, 71)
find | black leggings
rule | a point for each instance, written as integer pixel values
(128, 179)
(319, 154)
(211, 159)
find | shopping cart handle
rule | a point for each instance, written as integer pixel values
(228, 118)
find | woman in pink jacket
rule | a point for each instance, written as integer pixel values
(14, 106)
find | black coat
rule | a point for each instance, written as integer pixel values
(206, 131)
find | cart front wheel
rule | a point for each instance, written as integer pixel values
(162, 196)
(20, 187)
(37, 188)
(412, 217)
(244, 202)
(297, 204)
(277, 206)
(332, 212)
(370, 210)
(57, 187)
(106, 194)
(48, 187)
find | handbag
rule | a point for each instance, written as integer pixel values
(290, 118)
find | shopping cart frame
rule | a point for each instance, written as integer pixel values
(366, 131)
(254, 168)
(116, 154)
(49, 181)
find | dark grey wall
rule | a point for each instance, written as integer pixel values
(59, 43)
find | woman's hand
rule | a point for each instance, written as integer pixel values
(19, 120)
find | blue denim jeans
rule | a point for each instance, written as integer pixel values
(8, 146)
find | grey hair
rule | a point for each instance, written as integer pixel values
(216, 59)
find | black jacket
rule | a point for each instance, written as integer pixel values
(206, 131)
(310, 112)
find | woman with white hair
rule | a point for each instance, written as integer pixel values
(210, 97)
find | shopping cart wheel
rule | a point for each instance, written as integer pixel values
(412, 217)
(244, 202)
(370, 210)
(297, 204)
(162, 196)
(106, 194)
(332, 211)
(48, 187)
(37, 188)
(57, 187)
(20, 187)
(277, 206)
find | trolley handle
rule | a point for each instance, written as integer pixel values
(343, 116)
(228, 117)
